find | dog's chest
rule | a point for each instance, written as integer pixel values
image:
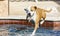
(39, 12)
(34, 16)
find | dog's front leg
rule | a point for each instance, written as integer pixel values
(36, 26)
(33, 33)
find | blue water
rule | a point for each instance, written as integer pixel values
(28, 31)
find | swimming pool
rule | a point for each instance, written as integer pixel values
(40, 32)
(27, 31)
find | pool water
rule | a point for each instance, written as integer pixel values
(40, 32)
(28, 31)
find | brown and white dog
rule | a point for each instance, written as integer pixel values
(40, 13)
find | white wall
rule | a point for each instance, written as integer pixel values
(17, 8)
(4, 8)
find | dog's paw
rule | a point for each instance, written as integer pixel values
(33, 35)
(42, 22)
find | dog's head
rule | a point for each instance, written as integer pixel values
(29, 14)
(33, 8)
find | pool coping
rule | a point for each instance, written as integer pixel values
(24, 17)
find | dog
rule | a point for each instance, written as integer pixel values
(40, 14)
(28, 17)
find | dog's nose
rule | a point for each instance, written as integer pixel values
(29, 14)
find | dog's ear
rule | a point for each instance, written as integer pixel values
(35, 7)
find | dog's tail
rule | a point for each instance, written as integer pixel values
(49, 10)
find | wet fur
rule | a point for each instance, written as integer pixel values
(40, 13)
